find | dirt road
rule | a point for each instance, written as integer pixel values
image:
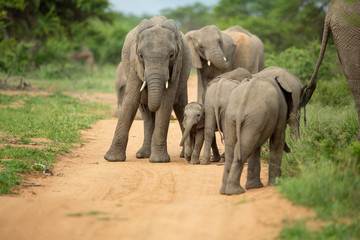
(90, 198)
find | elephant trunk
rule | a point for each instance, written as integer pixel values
(188, 126)
(155, 88)
(217, 58)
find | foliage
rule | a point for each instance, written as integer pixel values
(323, 172)
(190, 17)
(16, 57)
(279, 23)
(301, 62)
(34, 19)
(334, 231)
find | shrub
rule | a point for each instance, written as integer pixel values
(301, 62)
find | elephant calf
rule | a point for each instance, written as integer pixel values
(193, 137)
(216, 99)
(258, 110)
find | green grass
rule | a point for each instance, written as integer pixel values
(56, 117)
(323, 172)
(75, 78)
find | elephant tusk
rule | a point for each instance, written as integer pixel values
(209, 63)
(225, 59)
(143, 86)
(167, 84)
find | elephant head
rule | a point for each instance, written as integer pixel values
(194, 118)
(212, 46)
(156, 56)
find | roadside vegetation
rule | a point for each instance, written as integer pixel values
(323, 169)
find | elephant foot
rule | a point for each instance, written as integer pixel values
(204, 162)
(256, 183)
(113, 155)
(143, 153)
(182, 154)
(222, 189)
(159, 157)
(216, 158)
(194, 160)
(233, 189)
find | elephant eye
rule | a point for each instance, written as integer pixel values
(172, 55)
(201, 46)
(198, 115)
(141, 56)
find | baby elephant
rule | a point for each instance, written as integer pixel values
(258, 110)
(193, 137)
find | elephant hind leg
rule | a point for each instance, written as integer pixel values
(215, 150)
(253, 174)
(233, 182)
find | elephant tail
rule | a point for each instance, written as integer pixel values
(239, 123)
(217, 99)
(310, 87)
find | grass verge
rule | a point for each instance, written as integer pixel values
(50, 122)
(323, 172)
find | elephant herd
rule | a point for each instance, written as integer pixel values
(246, 103)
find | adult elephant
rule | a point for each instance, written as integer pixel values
(342, 19)
(215, 52)
(157, 64)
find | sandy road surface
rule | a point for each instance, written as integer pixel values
(90, 198)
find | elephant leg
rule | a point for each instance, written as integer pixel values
(201, 87)
(277, 143)
(216, 154)
(230, 141)
(188, 147)
(162, 119)
(199, 140)
(253, 173)
(179, 112)
(127, 114)
(233, 181)
(149, 122)
(209, 131)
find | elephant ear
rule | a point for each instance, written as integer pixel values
(228, 46)
(195, 58)
(287, 93)
(201, 123)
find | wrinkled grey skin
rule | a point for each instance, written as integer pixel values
(216, 100)
(342, 19)
(120, 85)
(257, 111)
(193, 137)
(155, 52)
(296, 88)
(224, 51)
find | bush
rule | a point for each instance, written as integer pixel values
(301, 62)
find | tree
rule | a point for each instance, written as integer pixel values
(279, 23)
(190, 17)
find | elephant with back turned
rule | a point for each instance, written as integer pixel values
(157, 64)
(343, 20)
(215, 52)
(258, 110)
